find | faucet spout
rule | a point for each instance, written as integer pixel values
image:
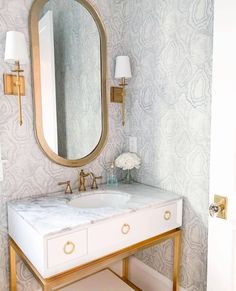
(82, 177)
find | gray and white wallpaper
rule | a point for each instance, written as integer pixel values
(168, 110)
(28, 171)
(169, 99)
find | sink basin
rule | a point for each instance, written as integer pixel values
(101, 199)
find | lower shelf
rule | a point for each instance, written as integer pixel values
(102, 281)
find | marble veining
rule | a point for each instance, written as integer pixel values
(53, 214)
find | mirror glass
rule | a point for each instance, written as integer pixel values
(71, 76)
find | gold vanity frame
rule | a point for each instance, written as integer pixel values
(80, 272)
(33, 24)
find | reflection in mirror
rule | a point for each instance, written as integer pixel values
(70, 76)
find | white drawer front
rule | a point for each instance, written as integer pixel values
(66, 248)
(133, 228)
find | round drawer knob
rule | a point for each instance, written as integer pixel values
(125, 228)
(69, 248)
(167, 215)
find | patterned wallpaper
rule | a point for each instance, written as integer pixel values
(170, 45)
(78, 94)
(169, 98)
(28, 171)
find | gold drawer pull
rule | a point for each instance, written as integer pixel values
(167, 215)
(125, 228)
(69, 248)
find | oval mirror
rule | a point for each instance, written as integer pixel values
(69, 75)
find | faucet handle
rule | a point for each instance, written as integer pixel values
(68, 189)
(83, 174)
(94, 182)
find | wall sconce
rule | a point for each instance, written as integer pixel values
(122, 72)
(15, 53)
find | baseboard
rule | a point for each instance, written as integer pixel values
(145, 277)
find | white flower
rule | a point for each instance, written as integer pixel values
(128, 161)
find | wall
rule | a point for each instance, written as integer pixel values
(28, 171)
(169, 98)
(168, 103)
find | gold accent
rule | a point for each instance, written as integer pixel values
(71, 250)
(167, 215)
(219, 206)
(125, 268)
(82, 177)
(118, 96)
(125, 228)
(33, 23)
(12, 268)
(9, 84)
(68, 189)
(177, 256)
(94, 180)
(15, 85)
(68, 277)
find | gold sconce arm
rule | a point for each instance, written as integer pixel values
(122, 72)
(123, 84)
(15, 85)
(118, 95)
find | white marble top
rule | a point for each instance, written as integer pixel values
(52, 213)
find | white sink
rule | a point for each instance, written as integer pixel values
(101, 199)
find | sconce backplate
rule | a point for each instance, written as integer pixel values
(117, 94)
(10, 87)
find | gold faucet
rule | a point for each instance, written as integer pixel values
(68, 189)
(82, 177)
(94, 180)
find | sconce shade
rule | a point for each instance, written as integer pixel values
(16, 49)
(122, 69)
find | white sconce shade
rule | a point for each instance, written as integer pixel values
(123, 69)
(16, 48)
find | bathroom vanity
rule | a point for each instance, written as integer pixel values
(63, 238)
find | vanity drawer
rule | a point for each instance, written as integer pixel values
(65, 248)
(133, 228)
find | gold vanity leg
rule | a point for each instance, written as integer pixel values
(125, 268)
(46, 288)
(177, 244)
(12, 268)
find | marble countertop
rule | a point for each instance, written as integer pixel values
(53, 214)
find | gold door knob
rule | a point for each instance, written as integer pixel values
(219, 207)
(125, 228)
(167, 215)
(69, 248)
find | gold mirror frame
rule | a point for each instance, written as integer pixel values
(33, 24)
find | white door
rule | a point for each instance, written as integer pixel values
(47, 75)
(222, 233)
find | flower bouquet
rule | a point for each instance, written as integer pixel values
(128, 161)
